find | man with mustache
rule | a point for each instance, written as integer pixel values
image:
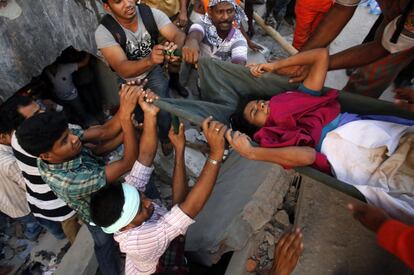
(130, 46)
(215, 36)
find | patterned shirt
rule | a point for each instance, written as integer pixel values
(13, 200)
(76, 180)
(233, 48)
(145, 244)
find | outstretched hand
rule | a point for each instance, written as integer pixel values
(287, 253)
(404, 97)
(240, 142)
(369, 216)
(258, 70)
(146, 102)
(128, 96)
(177, 140)
(214, 132)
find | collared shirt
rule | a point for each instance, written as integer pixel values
(13, 200)
(76, 180)
(145, 244)
(233, 48)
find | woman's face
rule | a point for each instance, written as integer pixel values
(256, 112)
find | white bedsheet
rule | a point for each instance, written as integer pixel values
(378, 159)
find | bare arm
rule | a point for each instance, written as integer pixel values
(291, 156)
(109, 130)
(108, 146)
(183, 16)
(330, 26)
(179, 181)
(317, 60)
(117, 59)
(173, 34)
(201, 191)
(191, 48)
(128, 97)
(149, 141)
(357, 56)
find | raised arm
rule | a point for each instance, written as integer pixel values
(128, 97)
(149, 141)
(179, 180)
(199, 194)
(291, 156)
(330, 26)
(316, 59)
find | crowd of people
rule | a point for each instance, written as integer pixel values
(53, 173)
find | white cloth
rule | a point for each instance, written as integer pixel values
(373, 156)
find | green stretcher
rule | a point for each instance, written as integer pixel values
(223, 84)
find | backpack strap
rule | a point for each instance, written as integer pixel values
(149, 22)
(115, 29)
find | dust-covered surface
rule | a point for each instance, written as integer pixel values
(334, 242)
(41, 256)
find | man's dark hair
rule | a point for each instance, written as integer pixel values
(6, 127)
(11, 107)
(237, 120)
(105, 1)
(37, 134)
(106, 204)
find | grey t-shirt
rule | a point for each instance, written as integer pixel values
(138, 43)
(62, 81)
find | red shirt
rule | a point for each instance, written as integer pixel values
(398, 239)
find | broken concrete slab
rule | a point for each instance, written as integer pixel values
(246, 196)
(334, 242)
(80, 258)
(32, 40)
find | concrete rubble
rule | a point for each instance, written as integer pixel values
(24, 37)
(241, 204)
(334, 242)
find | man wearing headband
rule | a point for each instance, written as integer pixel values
(143, 228)
(216, 36)
(75, 172)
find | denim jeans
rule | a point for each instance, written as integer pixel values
(106, 251)
(158, 83)
(53, 227)
(32, 227)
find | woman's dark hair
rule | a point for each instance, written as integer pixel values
(37, 134)
(107, 204)
(237, 120)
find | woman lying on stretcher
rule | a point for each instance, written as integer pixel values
(306, 127)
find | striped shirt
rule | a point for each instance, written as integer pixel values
(145, 244)
(13, 200)
(233, 48)
(42, 201)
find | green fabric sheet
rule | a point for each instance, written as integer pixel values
(223, 84)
